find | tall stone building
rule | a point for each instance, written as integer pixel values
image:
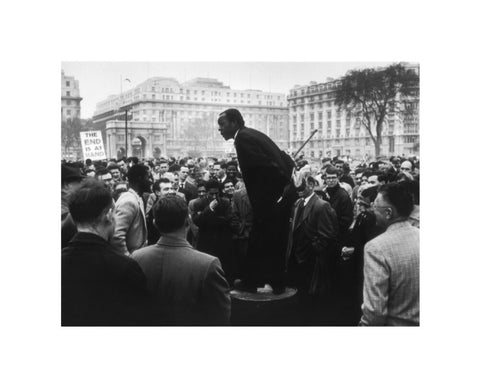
(70, 110)
(165, 117)
(339, 133)
(70, 97)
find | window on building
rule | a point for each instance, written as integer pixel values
(329, 114)
(68, 102)
(68, 94)
(67, 83)
(68, 112)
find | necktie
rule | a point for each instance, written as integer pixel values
(301, 207)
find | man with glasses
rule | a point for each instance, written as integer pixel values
(391, 269)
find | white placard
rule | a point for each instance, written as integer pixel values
(92, 145)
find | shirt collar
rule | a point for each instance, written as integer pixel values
(308, 198)
(235, 135)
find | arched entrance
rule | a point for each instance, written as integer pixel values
(138, 147)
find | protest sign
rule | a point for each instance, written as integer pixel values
(92, 145)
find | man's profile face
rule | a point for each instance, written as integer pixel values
(373, 181)
(331, 180)
(226, 128)
(382, 211)
(110, 221)
(166, 189)
(145, 182)
(358, 178)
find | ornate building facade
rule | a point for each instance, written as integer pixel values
(340, 133)
(165, 117)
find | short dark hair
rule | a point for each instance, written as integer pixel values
(332, 170)
(233, 115)
(113, 166)
(232, 164)
(225, 182)
(399, 196)
(88, 202)
(136, 173)
(156, 185)
(170, 213)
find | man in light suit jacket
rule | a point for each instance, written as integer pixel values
(189, 286)
(131, 228)
(391, 269)
(312, 241)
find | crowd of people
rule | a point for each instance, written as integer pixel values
(164, 241)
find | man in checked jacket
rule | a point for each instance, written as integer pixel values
(391, 269)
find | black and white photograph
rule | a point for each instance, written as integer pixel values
(228, 193)
(222, 193)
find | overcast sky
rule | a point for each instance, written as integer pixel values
(98, 80)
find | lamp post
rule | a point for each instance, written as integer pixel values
(126, 133)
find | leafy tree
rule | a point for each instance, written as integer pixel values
(70, 132)
(372, 93)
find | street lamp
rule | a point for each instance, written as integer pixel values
(126, 132)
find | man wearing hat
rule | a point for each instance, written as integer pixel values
(71, 179)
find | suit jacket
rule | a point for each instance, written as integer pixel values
(313, 240)
(189, 286)
(100, 286)
(130, 224)
(266, 170)
(214, 227)
(391, 283)
(189, 190)
(319, 223)
(242, 217)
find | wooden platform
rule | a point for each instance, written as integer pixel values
(262, 308)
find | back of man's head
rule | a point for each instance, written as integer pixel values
(170, 213)
(89, 201)
(399, 196)
(136, 173)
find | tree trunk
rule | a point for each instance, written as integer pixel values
(378, 143)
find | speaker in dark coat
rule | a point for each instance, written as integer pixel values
(266, 171)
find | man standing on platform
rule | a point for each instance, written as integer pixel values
(266, 171)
